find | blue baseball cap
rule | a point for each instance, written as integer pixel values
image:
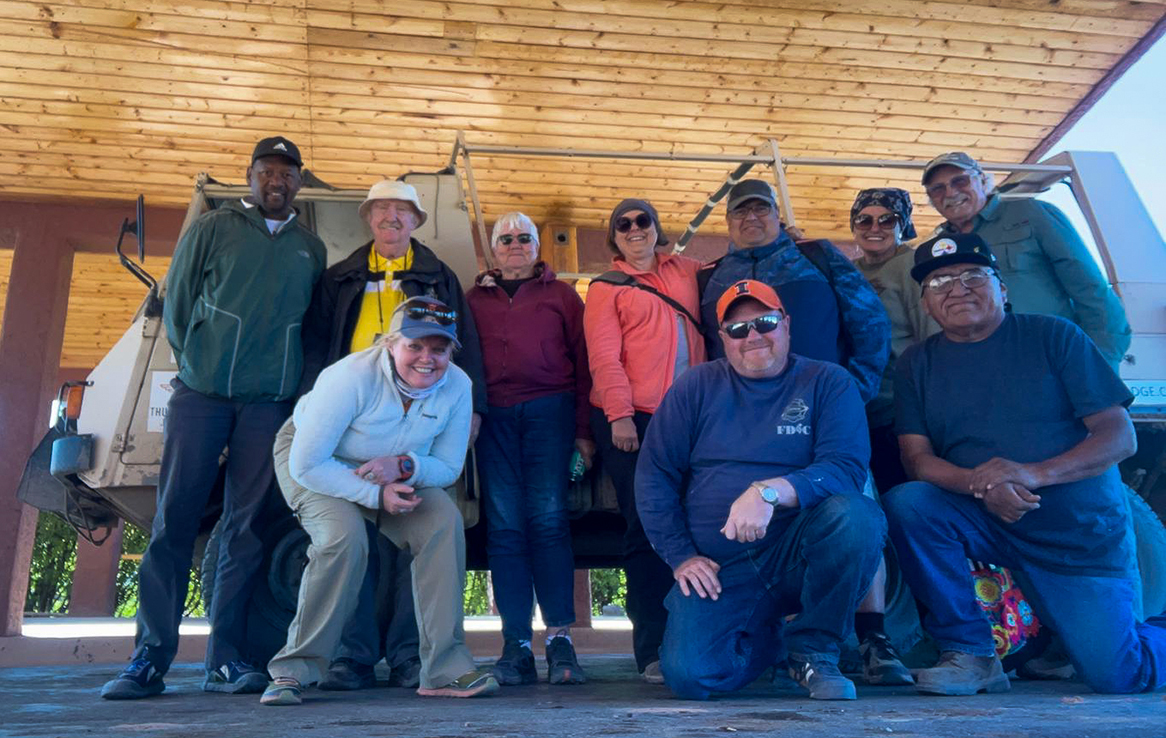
(418, 317)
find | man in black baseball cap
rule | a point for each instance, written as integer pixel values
(275, 178)
(238, 287)
(952, 248)
(1013, 425)
(277, 146)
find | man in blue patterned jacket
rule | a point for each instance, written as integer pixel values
(838, 316)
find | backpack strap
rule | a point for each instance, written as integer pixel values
(623, 279)
(815, 251)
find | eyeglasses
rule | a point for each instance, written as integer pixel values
(762, 324)
(865, 221)
(958, 182)
(971, 279)
(759, 209)
(443, 316)
(623, 224)
(523, 238)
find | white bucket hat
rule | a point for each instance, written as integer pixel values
(391, 189)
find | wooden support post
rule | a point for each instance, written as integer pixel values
(95, 577)
(582, 598)
(487, 252)
(787, 208)
(30, 354)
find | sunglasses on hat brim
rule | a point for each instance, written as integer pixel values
(443, 316)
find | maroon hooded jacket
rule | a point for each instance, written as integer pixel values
(532, 344)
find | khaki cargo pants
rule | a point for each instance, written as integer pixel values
(337, 557)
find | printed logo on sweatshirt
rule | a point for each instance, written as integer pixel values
(795, 412)
(793, 415)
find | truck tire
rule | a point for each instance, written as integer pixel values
(273, 603)
(1150, 540)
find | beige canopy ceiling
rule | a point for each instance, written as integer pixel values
(109, 98)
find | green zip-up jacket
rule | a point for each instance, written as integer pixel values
(235, 300)
(1048, 269)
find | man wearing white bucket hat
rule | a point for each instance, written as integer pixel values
(352, 306)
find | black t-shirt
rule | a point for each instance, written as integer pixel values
(1020, 394)
(511, 285)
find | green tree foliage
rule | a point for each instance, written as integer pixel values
(133, 545)
(608, 587)
(50, 576)
(477, 597)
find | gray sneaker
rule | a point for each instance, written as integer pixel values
(345, 674)
(235, 677)
(880, 662)
(960, 673)
(821, 678)
(652, 673)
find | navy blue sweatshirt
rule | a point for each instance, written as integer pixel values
(717, 432)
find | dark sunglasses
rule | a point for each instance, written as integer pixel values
(624, 224)
(762, 324)
(523, 238)
(865, 221)
(443, 316)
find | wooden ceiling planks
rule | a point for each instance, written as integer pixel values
(119, 96)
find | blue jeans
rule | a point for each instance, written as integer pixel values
(820, 567)
(523, 455)
(197, 429)
(935, 532)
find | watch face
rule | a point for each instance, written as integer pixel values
(769, 494)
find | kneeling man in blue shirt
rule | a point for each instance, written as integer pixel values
(749, 485)
(1013, 425)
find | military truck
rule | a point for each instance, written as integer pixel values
(100, 460)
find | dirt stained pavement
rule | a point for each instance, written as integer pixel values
(63, 701)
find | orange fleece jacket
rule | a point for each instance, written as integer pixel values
(632, 334)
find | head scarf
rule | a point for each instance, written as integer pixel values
(893, 199)
(633, 204)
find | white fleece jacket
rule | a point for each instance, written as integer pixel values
(354, 413)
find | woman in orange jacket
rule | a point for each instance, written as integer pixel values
(641, 335)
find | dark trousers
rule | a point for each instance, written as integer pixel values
(886, 465)
(935, 532)
(523, 455)
(649, 578)
(198, 428)
(819, 568)
(361, 640)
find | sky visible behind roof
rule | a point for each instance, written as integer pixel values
(1130, 120)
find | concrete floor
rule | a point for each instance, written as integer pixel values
(63, 701)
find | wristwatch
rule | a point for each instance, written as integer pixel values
(769, 494)
(405, 467)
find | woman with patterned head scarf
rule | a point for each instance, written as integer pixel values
(880, 220)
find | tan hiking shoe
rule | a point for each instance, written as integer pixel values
(476, 683)
(959, 673)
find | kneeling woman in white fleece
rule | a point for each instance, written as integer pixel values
(378, 437)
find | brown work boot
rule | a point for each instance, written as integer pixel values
(959, 673)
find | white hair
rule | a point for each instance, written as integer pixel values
(989, 180)
(510, 220)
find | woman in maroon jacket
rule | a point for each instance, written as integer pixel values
(537, 386)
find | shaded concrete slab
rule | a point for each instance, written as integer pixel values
(62, 701)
